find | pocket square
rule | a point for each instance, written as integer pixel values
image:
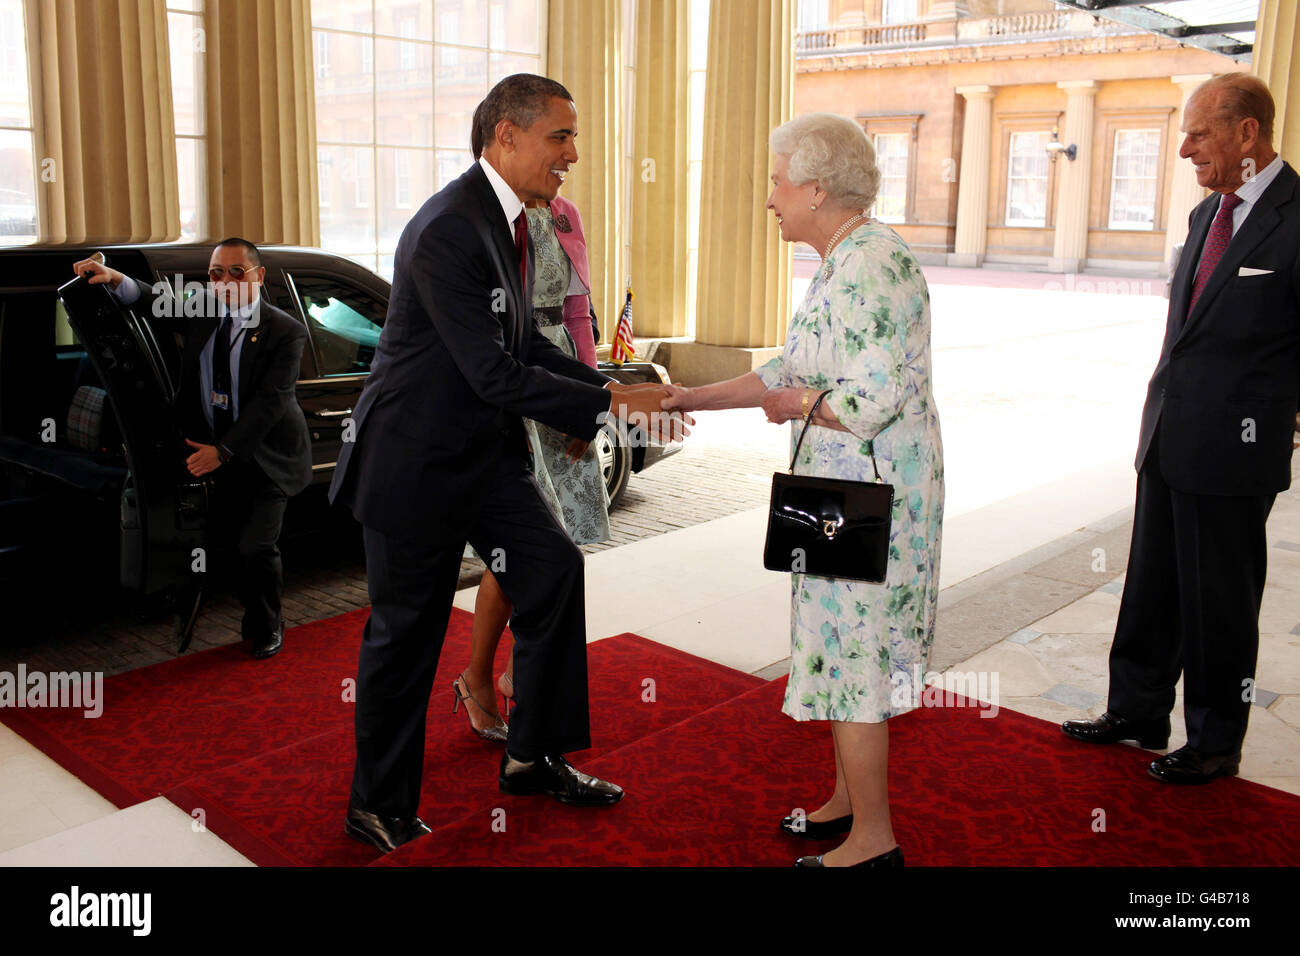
(1247, 271)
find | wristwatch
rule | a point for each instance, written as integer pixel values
(224, 454)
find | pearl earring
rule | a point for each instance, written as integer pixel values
(813, 207)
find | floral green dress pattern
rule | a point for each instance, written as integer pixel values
(575, 490)
(859, 650)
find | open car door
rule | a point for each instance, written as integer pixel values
(164, 508)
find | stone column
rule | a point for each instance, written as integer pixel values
(585, 53)
(1274, 61)
(744, 267)
(105, 135)
(973, 181)
(261, 122)
(657, 253)
(1073, 194)
(1184, 191)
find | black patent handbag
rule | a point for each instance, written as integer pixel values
(829, 527)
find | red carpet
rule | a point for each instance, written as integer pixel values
(265, 750)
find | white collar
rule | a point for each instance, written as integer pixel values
(510, 204)
(243, 312)
(1253, 188)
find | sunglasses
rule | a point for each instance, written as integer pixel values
(217, 273)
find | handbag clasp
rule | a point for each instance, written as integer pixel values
(830, 527)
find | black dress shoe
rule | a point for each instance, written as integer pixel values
(270, 647)
(383, 833)
(891, 860)
(1112, 728)
(809, 830)
(554, 775)
(1186, 765)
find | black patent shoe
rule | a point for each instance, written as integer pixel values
(809, 830)
(555, 776)
(892, 860)
(383, 833)
(271, 646)
(1112, 728)
(1186, 765)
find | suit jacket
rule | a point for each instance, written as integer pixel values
(458, 366)
(271, 429)
(1226, 388)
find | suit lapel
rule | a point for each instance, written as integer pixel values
(1263, 219)
(252, 344)
(503, 240)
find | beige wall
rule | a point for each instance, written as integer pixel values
(1134, 90)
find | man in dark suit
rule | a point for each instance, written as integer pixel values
(1214, 449)
(440, 458)
(236, 403)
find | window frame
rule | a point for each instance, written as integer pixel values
(894, 123)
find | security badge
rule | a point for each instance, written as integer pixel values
(220, 399)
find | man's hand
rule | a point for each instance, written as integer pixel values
(98, 272)
(577, 448)
(643, 408)
(204, 460)
(783, 404)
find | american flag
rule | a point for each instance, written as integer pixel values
(622, 350)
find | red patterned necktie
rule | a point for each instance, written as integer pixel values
(521, 246)
(1216, 243)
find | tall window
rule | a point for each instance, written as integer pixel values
(1133, 179)
(17, 167)
(402, 82)
(1027, 180)
(891, 157)
(187, 44)
(898, 11)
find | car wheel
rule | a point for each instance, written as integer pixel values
(615, 460)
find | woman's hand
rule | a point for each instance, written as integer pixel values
(783, 404)
(680, 398)
(577, 448)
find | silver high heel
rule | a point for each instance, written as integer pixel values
(497, 732)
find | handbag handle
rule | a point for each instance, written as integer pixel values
(871, 442)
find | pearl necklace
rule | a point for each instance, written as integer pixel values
(839, 232)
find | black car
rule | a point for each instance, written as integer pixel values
(90, 461)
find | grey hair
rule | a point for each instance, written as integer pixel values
(833, 151)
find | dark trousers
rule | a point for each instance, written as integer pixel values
(247, 514)
(412, 581)
(1191, 603)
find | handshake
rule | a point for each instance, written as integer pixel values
(652, 408)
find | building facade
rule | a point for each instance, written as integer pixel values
(1012, 133)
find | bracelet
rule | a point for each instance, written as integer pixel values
(805, 403)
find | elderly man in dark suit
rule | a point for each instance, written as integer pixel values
(1215, 447)
(237, 405)
(440, 458)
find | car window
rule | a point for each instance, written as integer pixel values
(345, 323)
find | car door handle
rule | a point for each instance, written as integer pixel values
(334, 413)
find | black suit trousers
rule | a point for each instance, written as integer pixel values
(412, 581)
(1191, 603)
(247, 515)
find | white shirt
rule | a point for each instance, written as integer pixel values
(1250, 191)
(511, 207)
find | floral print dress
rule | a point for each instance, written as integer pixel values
(859, 650)
(575, 491)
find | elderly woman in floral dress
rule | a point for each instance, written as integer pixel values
(863, 333)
